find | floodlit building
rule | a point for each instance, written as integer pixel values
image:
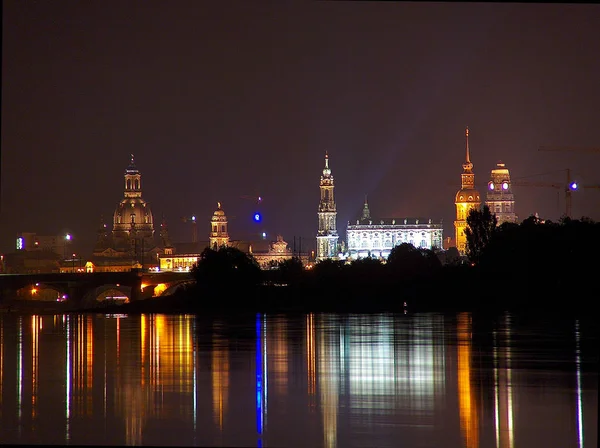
(369, 237)
(183, 257)
(132, 239)
(327, 236)
(467, 198)
(219, 237)
(500, 198)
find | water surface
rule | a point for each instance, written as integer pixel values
(423, 380)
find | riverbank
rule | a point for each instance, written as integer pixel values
(273, 300)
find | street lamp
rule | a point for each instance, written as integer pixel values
(68, 238)
(73, 262)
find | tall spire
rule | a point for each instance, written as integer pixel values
(326, 170)
(467, 138)
(366, 214)
(468, 165)
(131, 168)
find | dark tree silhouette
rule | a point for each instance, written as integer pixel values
(481, 226)
(226, 268)
(406, 261)
(291, 270)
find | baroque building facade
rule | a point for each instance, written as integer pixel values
(182, 258)
(370, 237)
(467, 198)
(327, 236)
(500, 198)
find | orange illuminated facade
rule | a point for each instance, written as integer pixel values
(467, 198)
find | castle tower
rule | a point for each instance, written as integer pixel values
(132, 221)
(327, 237)
(218, 229)
(466, 199)
(500, 198)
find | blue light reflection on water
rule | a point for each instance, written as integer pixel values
(259, 379)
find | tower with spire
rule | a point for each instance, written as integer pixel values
(467, 198)
(219, 236)
(366, 213)
(327, 236)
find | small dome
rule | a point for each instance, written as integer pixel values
(219, 214)
(468, 195)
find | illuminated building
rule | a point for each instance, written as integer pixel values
(377, 237)
(264, 252)
(218, 229)
(131, 241)
(500, 198)
(467, 198)
(327, 237)
(35, 254)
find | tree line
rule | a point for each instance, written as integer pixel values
(532, 264)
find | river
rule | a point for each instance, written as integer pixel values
(410, 380)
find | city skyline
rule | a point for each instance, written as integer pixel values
(225, 104)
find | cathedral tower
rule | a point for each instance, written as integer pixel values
(466, 199)
(327, 237)
(133, 223)
(500, 198)
(219, 237)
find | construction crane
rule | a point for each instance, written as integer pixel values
(569, 186)
(569, 148)
(192, 221)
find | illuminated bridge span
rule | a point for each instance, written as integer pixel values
(83, 287)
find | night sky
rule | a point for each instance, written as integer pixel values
(221, 101)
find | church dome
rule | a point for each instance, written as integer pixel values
(133, 210)
(219, 214)
(468, 195)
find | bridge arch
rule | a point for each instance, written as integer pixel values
(109, 294)
(42, 291)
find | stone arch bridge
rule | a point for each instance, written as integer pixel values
(78, 288)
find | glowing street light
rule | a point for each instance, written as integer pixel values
(573, 186)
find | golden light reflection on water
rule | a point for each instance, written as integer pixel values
(328, 374)
(278, 357)
(220, 379)
(310, 359)
(503, 388)
(36, 322)
(469, 418)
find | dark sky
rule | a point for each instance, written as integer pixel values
(219, 100)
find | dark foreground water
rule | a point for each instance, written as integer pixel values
(424, 380)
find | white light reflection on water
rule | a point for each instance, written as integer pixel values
(578, 376)
(503, 387)
(68, 379)
(328, 374)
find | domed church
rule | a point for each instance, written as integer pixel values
(131, 244)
